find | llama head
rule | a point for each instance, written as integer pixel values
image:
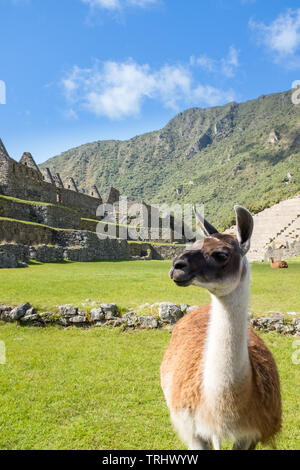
(217, 262)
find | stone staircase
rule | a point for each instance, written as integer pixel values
(275, 228)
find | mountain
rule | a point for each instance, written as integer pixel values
(246, 153)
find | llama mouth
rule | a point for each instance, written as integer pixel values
(185, 283)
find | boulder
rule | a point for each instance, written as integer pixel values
(296, 324)
(31, 317)
(78, 319)
(8, 260)
(19, 312)
(97, 314)
(110, 311)
(130, 318)
(269, 323)
(148, 322)
(169, 313)
(68, 311)
(4, 312)
(184, 308)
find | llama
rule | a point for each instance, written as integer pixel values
(219, 379)
(278, 264)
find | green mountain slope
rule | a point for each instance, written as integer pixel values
(245, 153)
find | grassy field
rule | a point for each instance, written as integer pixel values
(132, 283)
(100, 389)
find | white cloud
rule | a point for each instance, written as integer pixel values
(231, 62)
(282, 36)
(118, 4)
(119, 89)
(226, 66)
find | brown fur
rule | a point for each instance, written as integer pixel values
(254, 404)
(278, 264)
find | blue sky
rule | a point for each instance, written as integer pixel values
(77, 71)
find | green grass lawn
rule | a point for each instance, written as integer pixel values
(132, 283)
(100, 389)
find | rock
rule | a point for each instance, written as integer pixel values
(21, 264)
(8, 260)
(19, 312)
(4, 312)
(78, 319)
(110, 311)
(48, 317)
(193, 307)
(30, 311)
(130, 318)
(99, 323)
(269, 323)
(94, 303)
(184, 308)
(296, 324)
(47, 254)
(5, 309)
(169, 327)
(169, 313)
(273, 137)
(97, 314)
(31, 317)
(68, 311)
(292, 313)
(87, 300)
(148, 322)
(288, 330)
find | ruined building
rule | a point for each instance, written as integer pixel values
(24, 180)
(49, 219)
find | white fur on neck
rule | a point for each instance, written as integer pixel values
(226, 358)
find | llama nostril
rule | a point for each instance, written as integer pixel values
(180, 264)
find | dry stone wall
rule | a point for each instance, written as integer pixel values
(157, 252)
(26, 234)
(51, 215)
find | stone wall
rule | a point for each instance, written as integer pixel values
(86, 246)
(25, 181)
(157, 252)
(276, 228)
(51, 215)
(26, 234)
(21, 252)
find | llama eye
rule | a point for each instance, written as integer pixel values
(220, 256)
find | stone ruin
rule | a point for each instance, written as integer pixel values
(276, 231)
(54, 220)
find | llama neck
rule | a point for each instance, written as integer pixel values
(226, 358)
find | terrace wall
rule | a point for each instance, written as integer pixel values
(53, 216)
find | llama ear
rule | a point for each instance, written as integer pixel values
(244, 225)
(206, 227)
